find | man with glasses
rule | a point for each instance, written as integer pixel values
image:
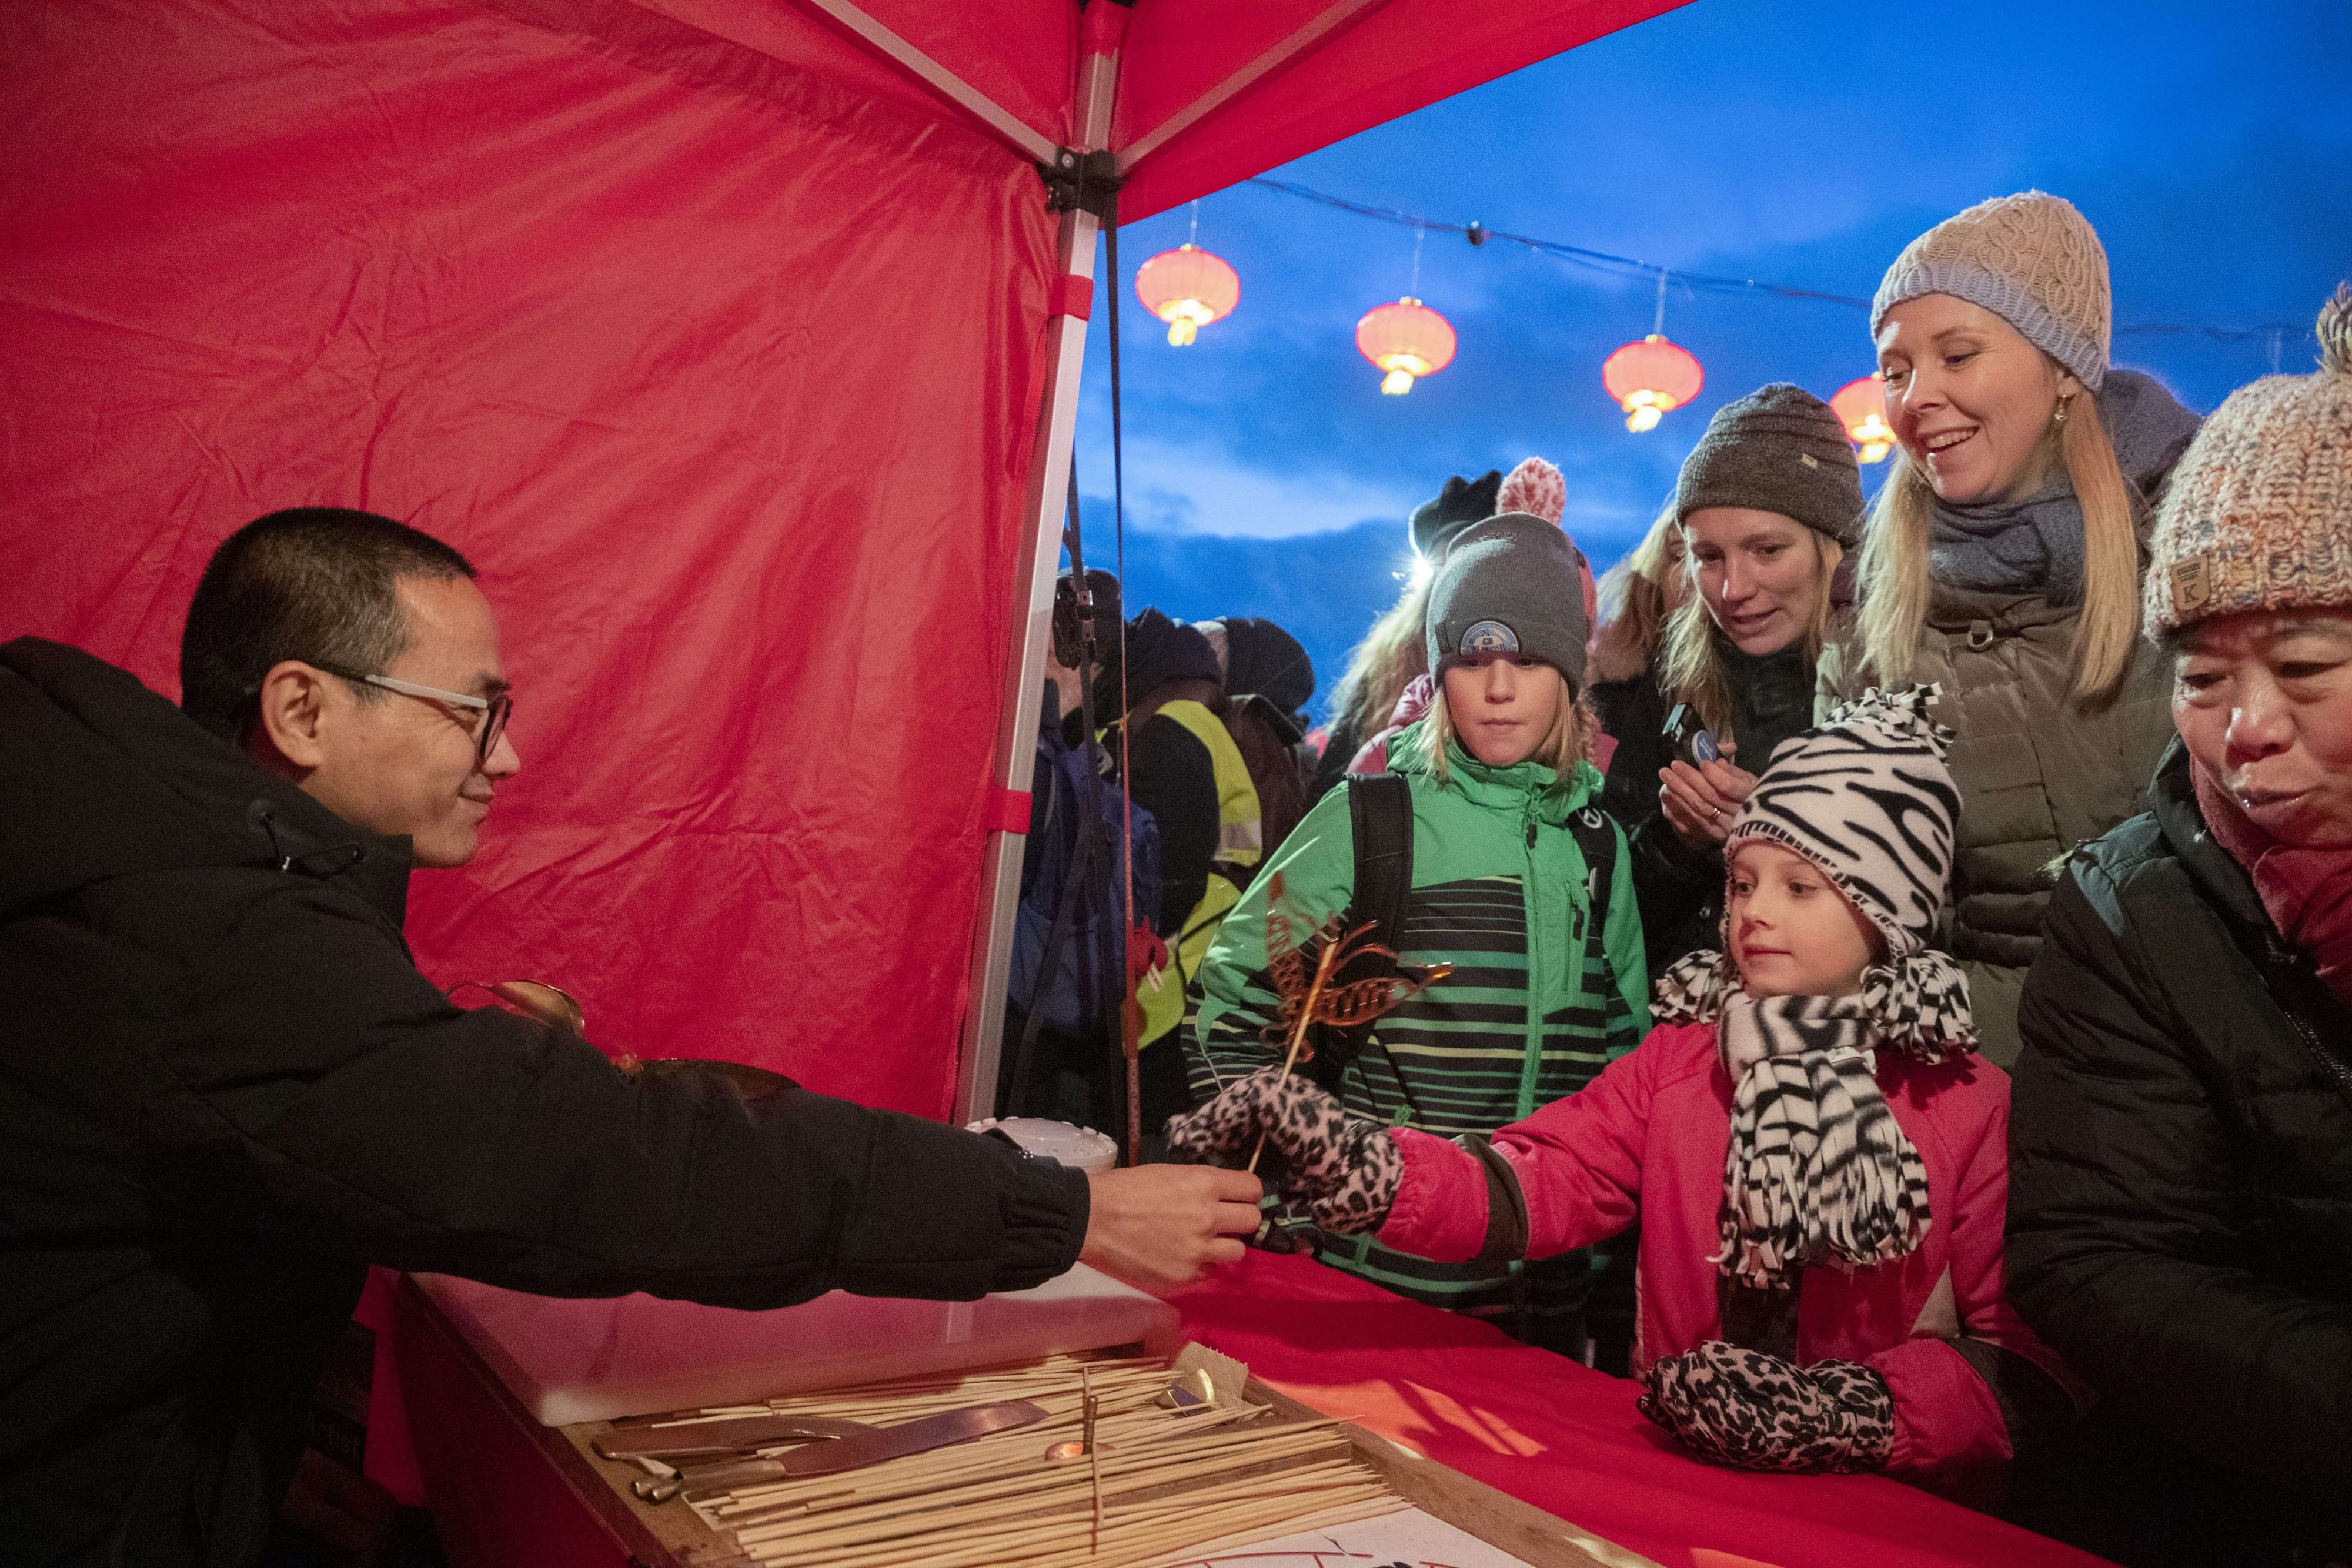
(226, 1088)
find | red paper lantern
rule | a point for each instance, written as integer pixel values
(1651, 378)
(1188, 288)
(1861, 406)
(1407, 340)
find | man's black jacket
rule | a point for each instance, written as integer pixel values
(225, 1087)
(2181, 1200)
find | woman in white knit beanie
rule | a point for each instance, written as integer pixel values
(2001, 560)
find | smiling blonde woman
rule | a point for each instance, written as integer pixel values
(2001, 560)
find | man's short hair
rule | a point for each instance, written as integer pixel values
(314, 583)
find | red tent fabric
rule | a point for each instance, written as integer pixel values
(713, 335)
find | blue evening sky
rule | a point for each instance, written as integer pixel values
(1796, 144)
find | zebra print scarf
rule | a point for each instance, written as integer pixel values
(1817, 1170)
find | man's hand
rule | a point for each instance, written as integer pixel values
(1165, 1226)
(1347, 1169)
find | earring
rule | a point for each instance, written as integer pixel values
(2059, 418)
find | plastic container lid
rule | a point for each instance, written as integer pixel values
(1080, 1148)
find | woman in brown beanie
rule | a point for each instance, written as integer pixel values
(2001, 560)
(2180, 1188)
(1765, 507)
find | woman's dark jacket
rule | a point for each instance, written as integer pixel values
(1680, 891)
(2180, 1190)
(226, 1090)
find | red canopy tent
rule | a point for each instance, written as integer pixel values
(736, 342)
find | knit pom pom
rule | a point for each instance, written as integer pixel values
(2334, 331)
(1900, 715)
(1535, 486)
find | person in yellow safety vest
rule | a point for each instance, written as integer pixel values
(1185, 769)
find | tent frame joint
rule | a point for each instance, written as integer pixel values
(1079, 181)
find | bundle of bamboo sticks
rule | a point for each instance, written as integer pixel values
(1155, 1484)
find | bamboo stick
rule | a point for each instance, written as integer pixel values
(1013, 1496)
(1016, 1451)
(1239, 1499)
(1130, 1538)
(1025, 1472)
(1020, 1464)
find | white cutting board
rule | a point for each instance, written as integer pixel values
(570, 1361)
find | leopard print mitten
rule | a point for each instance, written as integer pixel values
(1756, 1412)
(1348, 1169)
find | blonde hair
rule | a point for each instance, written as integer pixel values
(1567, 742)
(1691, 668)
(1392, 652)
(1634, 595)
(1892, 576)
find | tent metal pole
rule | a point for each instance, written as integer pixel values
(1032, 145)
(982, 1047)
(1322, 25)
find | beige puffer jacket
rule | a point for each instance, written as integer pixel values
(2039, 770)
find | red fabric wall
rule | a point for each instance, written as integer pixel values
(722, 371)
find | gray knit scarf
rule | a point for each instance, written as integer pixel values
(2035, 546)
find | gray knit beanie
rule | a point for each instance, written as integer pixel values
(1778, 449)
(2030, 259)
(1510, 585)
(2258, 516)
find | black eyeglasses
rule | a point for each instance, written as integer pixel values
(494, 711)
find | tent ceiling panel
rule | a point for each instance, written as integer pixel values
(1387, 59)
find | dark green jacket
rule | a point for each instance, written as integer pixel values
(1547, 990)
(1680, 890)
(2040, 771)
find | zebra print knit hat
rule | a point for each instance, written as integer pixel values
(1868, 798)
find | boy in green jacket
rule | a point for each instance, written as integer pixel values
(1520, 882)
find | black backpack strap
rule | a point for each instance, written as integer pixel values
(1596, 840)
(1379, 812)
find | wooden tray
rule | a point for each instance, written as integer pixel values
(672, 1535)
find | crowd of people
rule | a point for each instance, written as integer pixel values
(1744, 899)
(1713, 908)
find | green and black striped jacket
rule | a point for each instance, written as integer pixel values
(1547, 989)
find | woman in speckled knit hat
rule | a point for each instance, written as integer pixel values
(2180, 1193)
(2002, 558)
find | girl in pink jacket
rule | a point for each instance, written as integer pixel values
(1816, 1154)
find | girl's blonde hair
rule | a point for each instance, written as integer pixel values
(1691, 669)
(1392, 652)
(1892, 578)
(1635, 596)
(1567, 742)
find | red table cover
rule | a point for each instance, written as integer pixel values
(1565, 1438)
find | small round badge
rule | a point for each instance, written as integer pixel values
(1489, 637)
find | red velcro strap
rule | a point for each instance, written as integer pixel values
(1072, 294)
(1007, 810)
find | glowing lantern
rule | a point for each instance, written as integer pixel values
(1861, 407)
(1407, 340)
(1188, 288)
(1651, 378)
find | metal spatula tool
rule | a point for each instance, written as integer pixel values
(723, 1434)
(870, 1447)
